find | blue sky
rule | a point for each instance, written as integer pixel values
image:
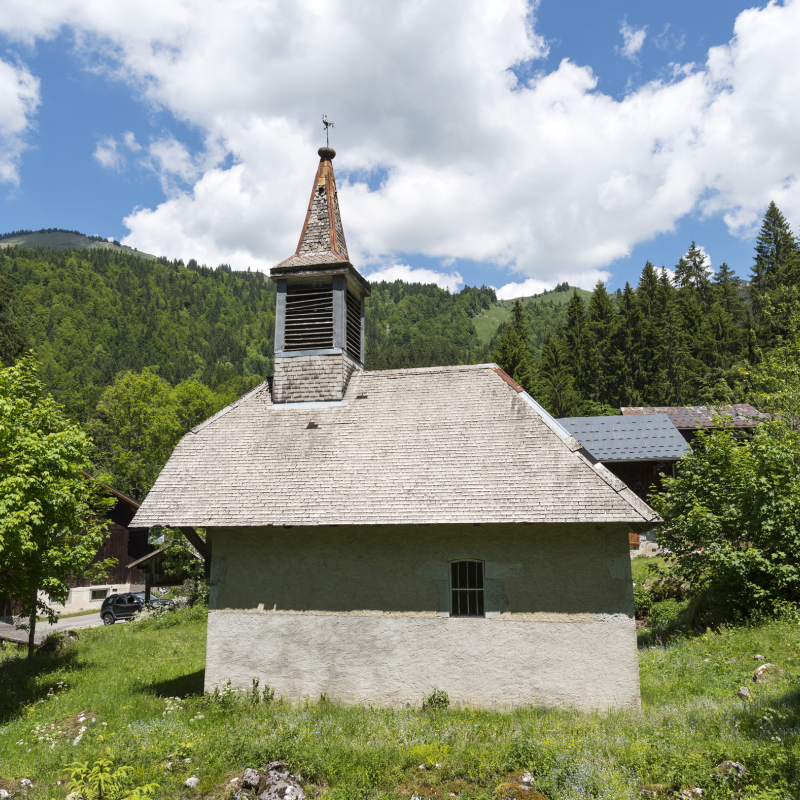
(519, 146)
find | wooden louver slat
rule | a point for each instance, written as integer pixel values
(353, 326)
(309, 318)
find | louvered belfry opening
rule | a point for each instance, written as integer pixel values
(466, 584)
(309, 316)
(319, 304)
(353, 326)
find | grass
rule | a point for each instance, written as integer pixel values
(144, 680)
(487, 323)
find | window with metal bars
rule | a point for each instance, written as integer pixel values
(309, 316)
(353, 326)
(466, 583)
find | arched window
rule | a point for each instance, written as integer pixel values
(466, 584)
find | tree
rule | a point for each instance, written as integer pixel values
(555, 388)
(733, 512)
(776, 252)
(13, 340)
(51, 516)
(513, 352)
(136, 429)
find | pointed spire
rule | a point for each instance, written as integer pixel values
(322, 238)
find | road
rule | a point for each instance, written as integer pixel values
(11, 634)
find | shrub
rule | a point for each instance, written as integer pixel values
(642, 600)
(437, 700)
(665, 613)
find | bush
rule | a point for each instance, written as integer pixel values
(665, 613)
(437, 700)
(642, 600)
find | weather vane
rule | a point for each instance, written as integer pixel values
(328, 123)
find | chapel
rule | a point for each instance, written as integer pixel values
(376, 534)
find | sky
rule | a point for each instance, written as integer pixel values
(517, 144)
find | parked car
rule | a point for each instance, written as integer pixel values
(120, 606)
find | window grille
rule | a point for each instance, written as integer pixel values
(354, 326)
(309, 317)
(466, 582)
(99, 594)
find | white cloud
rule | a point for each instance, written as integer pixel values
(549, 177)
(19, 99)
(130, 141)
(107, 154)
(585, 280)
(401, 272)
(632, 40)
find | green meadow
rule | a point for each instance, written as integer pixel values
(142, 683)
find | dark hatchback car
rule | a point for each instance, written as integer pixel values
(120, 606)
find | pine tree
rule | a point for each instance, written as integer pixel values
(774, 260)
(555, 388)
(672, 356)
(648, 322)
(513, 353)
(575, 336)
(599, 346)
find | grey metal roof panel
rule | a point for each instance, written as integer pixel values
(650, 437)
(434, 445)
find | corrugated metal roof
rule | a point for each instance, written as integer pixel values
(650, 437)
(689, 417)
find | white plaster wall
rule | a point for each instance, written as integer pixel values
(394, 660)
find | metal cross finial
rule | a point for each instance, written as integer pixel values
(328, 123)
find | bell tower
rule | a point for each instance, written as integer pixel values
(319, 321)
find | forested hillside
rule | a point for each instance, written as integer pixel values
(109, 327)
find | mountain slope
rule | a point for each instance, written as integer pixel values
(60, 239)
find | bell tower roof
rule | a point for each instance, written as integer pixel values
(322, 249)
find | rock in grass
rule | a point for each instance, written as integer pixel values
(758, 658)
(764, 671)
(277, 783)
(730, 768)
(744, 692)
(190, 783)
(251, 779)
(654, 789)
(517, 791)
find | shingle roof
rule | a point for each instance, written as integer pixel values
(435, 445)
(689, 417)
(633, 438)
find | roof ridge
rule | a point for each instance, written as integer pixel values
(418, 370)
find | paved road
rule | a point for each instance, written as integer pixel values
(10, 633)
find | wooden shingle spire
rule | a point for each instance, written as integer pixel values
(322, 238)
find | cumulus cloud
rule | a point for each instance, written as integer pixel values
(19, 99)
(632, 40)
(130, 141)
(586, 279)
(402, 272)
(547, 176)
(108, 155)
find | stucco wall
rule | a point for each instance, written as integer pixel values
(361, 613)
